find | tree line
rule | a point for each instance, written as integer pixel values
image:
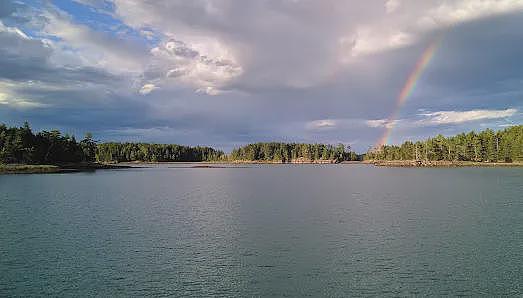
(486, 146)
(288, 152)
(126, 152)
(21, 145)
(273, 152)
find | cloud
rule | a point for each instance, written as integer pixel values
(147, 88)
(453, 12)
(312, 38)
(89, 47)
(442, 118)
(99, 4)
(37, 70)
(9, 98)
(411, 26)
(299, 54)
(348, 123)
(367, 41)
(392, 5)
(176, 62)
(322, 124)
(12, 30)
(31, 62)
(20, 103)
(457, 117)
(208, 90)
(382, 123)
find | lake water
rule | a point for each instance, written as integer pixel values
(280, 230)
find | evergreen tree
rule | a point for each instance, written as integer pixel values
(486, 146)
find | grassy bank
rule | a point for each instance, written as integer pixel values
(440, 164)
(64, 168)
(28, 169)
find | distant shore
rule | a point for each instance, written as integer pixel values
(296, 161)
(86, 167)
(379, 163)
(52, 169)
(439, 164)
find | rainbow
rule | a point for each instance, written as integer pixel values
(408, 88)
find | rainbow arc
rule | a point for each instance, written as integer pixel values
(408, 89)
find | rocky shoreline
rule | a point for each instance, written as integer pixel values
(438, 164)
(294, 161)
(86, 167)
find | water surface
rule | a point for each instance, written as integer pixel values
(294, 230)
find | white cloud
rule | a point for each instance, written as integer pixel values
(457, 117)
(90, 47)
(147, 88)
(368, 41)
(93, 3)
(148, 34)
(198, 66)
(9, 98)
(348, 123)
(21, 103)
(453, 12)
(441, 118)
(392, 5)
(402, 29)
(381, 123)
(208, 90)
(13, 30)
(322, 124)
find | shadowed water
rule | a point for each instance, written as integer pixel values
(295, 230)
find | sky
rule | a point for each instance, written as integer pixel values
(229, 72)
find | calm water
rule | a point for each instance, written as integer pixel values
(289, 230)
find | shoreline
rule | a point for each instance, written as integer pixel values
(6, 169)
(378, 163)
(440, 164)
(231, 162)
(234, 162)
(56, 169)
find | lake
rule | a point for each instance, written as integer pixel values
(263, 230)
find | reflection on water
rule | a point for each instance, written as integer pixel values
(297, 230)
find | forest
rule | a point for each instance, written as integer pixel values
(126, 152)
(20, 145)
(289, 152)
(273, 152)
(486, 146)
